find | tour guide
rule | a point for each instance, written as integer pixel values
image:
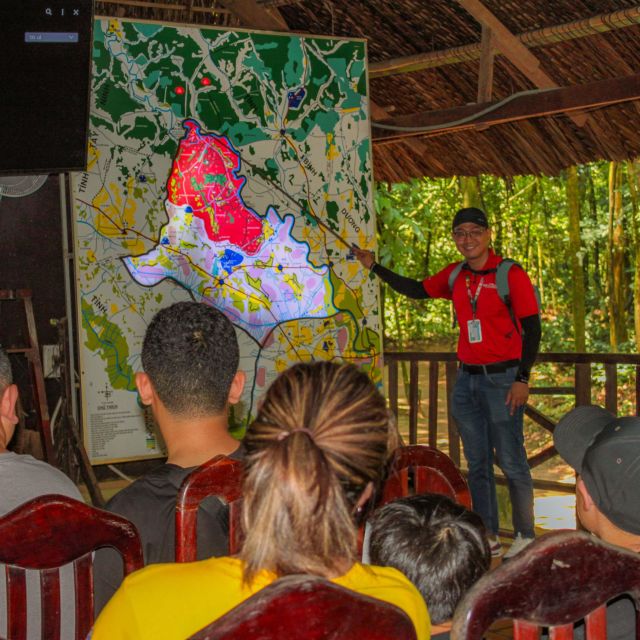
(497, 347)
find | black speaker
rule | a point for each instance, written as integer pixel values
(45, 67)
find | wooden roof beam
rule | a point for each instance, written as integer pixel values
(537, 38)
(485, 73)
(517, 53)
(550, 102)
(254, 15)
(509, 45)
(150, 4)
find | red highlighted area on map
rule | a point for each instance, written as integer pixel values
(204, 181)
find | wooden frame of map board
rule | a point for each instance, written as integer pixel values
(233, 168)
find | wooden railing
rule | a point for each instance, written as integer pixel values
(581, 389)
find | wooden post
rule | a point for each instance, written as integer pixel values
(413, 402)
(433, 403)
(611, 388)
(393, 386)
(583, 383)
(485, 73)
(454, 436)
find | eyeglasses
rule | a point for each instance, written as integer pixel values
(474, 233)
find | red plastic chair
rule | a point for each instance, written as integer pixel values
(559, 579)
(51, 531)
(432, 472)
(310, 608)
(221, 477)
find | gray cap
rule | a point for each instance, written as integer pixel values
(605, 451)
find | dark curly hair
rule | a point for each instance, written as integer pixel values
(190, 353)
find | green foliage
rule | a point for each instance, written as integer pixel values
(530, 224)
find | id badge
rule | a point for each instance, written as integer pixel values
(475, 331)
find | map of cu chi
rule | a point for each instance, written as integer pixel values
(233, 169)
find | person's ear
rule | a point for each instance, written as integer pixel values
(8, 405)
(145, 388)
(237, 386)
(364, 504)
(585, 497)
(365, 496)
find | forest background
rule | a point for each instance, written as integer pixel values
(577, 235)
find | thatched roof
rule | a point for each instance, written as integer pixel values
(428, 68)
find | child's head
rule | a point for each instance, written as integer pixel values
(438, 544)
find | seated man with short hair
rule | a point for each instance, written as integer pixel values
(23, 478)
(190, 358)
(438, 544)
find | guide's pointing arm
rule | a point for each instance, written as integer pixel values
(406, 286)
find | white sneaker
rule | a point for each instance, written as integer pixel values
(495, 545)
(518, 545)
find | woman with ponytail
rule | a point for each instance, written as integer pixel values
(315, 453)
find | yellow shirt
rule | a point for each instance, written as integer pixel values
(173, 601)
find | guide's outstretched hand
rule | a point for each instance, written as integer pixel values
(367, 258)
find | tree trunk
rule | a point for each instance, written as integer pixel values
(575, 259)
(633, 190)
(470, 189)
(592, 210)
(616, 241)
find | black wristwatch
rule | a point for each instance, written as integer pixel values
(522, 376)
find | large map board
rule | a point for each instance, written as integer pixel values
(232, 168)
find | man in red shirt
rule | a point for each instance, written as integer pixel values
(496, 350)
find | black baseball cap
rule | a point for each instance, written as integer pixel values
(605, 451)
(470, 214)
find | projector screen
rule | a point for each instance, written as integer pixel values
(44, 74)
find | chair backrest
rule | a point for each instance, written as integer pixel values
(221, 477)
(310, 608)
(559, 579)
(430, 470)
(51, 531)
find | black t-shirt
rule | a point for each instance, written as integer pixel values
(150, 503)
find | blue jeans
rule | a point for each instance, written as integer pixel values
(478, 406)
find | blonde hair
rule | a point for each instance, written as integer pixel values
(321, 435)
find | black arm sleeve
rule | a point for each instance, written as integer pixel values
(531, 334)
(406, 286)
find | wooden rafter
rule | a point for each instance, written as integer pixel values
(551, 102)
(166, 6)
(251, 14)
(485, 74)
(517, 53)
(509, 45)
(531, 39)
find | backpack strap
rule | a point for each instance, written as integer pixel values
(502, 285)
(455, 272)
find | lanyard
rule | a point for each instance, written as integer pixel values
(474, 299)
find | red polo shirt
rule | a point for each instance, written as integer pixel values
(500, 339)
